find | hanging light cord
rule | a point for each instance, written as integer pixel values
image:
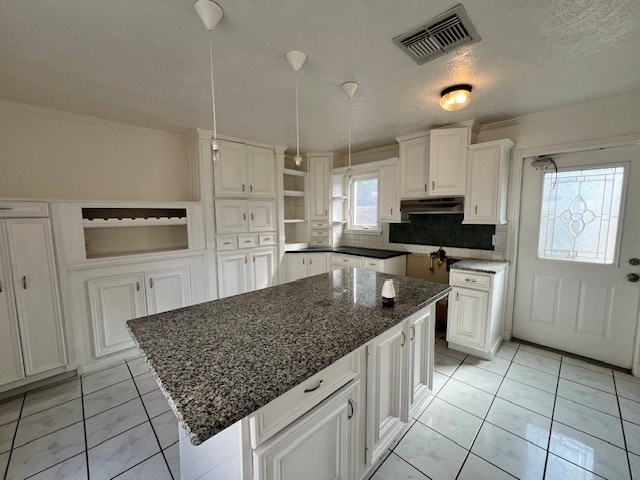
(297, 120)
(349, 131)
(213, 94)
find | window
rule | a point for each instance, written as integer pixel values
(363, 203)
(580, 215)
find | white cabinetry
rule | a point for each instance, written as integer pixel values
(238, 216)
(448, 161)
(475, 315)
(421, 337)
(303, 265)
(389, 202)
(245, 271)
(244, 171)
(116, 299)
(321, 444)
(319, 187)
(32, 336)
(487, 182)
(262, 216)
(394, 265)
(414, 164)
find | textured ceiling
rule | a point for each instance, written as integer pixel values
(145, 63)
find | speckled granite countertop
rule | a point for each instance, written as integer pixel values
(478, 265)
(219, 361)
(357, 251)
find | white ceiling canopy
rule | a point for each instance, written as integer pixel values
(144, 63)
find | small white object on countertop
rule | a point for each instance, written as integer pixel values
(388, 290)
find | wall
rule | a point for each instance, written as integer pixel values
(50, 154)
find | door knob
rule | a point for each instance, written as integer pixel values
(633, 277)
(634, 261)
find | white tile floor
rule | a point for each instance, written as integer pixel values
(529, 413)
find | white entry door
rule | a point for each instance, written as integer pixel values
(579, 236)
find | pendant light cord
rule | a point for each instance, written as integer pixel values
(297, 120)
(349, 131)
(213, 94)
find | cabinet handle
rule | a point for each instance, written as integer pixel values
(0, 286)
(245, 259)
(248, 241)
(391, 211)
(137, 286)
(351, 410)
(254, 258)
(251, 188)
(404, 339)
(413, 333)
(476, 209)
(325, 212)
(433, 184)
(244, 216)
(425, 187)
(226, 243)
(471, 280)
(151, 282)
(311, 261)
(252, 214)
(303, 261)
(313, 389)
(24, 282)
(243, 187)
(457, 296)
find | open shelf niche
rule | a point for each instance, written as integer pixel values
(295, 186)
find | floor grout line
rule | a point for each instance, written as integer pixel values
(624, 434)
(553, 412)
(13, 441)
(84, 425)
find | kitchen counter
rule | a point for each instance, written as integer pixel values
(359, 252)
(219, 361)
(478, 265)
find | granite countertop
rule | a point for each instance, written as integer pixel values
(360, 252)
(478, 265)
(219, 361)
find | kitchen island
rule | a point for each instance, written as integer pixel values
(244, 372)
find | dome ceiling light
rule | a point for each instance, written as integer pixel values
(455, 97)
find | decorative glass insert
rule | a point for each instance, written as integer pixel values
(580, 215)
(364, 203)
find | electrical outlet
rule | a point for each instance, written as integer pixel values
(495, 240)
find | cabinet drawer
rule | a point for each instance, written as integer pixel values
(288, 407)
(319, 242)
(372, 264)
(23, 209)
(267, 239)
(319, 233)
(319, 224)
(346, 261)
(228, 242)
(247, 241)
(470, 279)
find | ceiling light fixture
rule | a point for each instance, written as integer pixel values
(296, 59)
(455, 97)
(210, 14)
(349, 89)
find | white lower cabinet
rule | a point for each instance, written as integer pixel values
(115, 299)
(245, 270)
(29, 282)
(320, 445)
(303, 265)
(475, 315)
(421, 337)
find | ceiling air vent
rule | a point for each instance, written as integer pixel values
(438, 36)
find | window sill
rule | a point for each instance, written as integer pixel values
(362, 232)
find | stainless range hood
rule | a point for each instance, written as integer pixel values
(430, 206)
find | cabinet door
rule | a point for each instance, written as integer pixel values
(421, 338)
(389, 200)
(448, 161)
(319, 188)
(36, 294)
(11, 367)
(167, 289)
(230, 173)
(413, 168)
(481, 204)
(320, 445)
(233, 278)
(467, 318)
(386, 397)
(262, 268)
(231, 216)
(113, 301)
(297, 267)
(316, 264)
(261, 172)
(262, 216)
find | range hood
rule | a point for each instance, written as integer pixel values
(432, 206)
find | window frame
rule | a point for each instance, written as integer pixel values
(351, 227)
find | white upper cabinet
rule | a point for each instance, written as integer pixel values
(230, 173)
(36, 294)
(231, 216)
(244, 171)
(262, 216)
(389, 201)
(167, 289)
(414, 160)
(487, 182)
(448, 161)
(319, 187)
(11, 367)
(261, 170)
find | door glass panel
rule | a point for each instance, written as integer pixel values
(580, 215)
